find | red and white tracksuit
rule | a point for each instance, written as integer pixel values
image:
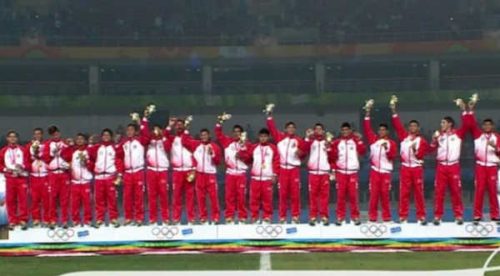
(486, 151)
(39, 184)
(59, 183)
(235, 180)
(382, 153)
(81, 176)
(157, 177)
(344, 156)
(448, 146)
(206, 156)
(289, 149)
(108, 164)
(11, 158)
(413, 148)
(134, 150)
(319, 176)
(265, 166)
(182, 165)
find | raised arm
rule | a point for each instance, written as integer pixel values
(398, 127)
(189, 143)
(271, 125)
(367, 127)
(144, 133)
(462, 130)
(472, 124)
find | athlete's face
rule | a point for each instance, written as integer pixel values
(445, 125)
(346, 131)
(80, 141)
(237, 133)
(38, 135)
(131, 132)
(12, 138)
(106, 137)
(383, 132)
(318, 130)
(290, 129)
(179, 126)
(488, 126)
(204, 136)
(56, 135)
(413, 128)
(263, 138)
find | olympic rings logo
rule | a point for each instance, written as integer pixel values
(481, 229)
(267, 231)
(373, 230)
(60, 234)
(165, 232)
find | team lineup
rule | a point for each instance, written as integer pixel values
(49, 182)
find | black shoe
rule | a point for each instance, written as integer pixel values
(437, 221)
(325, 221)
(476, 221)
(65, 226)
(24, 225)
(282, 221)
(52, 226)
(459, 221)
(403, 220)
(312, 222)
(12, 227)
(339, 222)
(495, 220)
(423, 222)
(373, 221)
(296, 220)
(115, 223)
(357, 222)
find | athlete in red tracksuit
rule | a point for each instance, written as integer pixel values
(289, 148)
(81, 176)
(39, 183)
(319, 174)
(157, 175)
(108, 168)
(448, 143)
(236, 173)
(413, 148)
(134, 149)
(486, 151)
(15, 165)
(382, 153)
(344, 157)
(265, 161)
(183, 172)
(207, 156)
(59, 183)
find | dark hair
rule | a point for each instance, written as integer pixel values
(108, 131)
(38, 129)
(320, 125)
(135, 126)
(449, 120)
(290, 124)
(264, 131)
(180, 120)
(414, 122)
(205, 130)
(345, 124)
(384, 125)
(157, 126)
(52, 129)
(488, 120)
(238, 127)
(12, 132)
(85, 136)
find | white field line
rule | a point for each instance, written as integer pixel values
(265, 261)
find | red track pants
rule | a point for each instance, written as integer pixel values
(289, 189)
(39, 199)
(347, 185)
(133, 196)
(448, 176)
(319, 193)
(411, 180)
(235, 188)
(206, 184)
(16, 199)
(261, 192)
(157, 195)
(105, 199)
(59, 191)
(181, 187)
(486, 180)
(80, 197)
(380, 187)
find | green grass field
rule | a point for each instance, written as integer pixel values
(13, 266)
